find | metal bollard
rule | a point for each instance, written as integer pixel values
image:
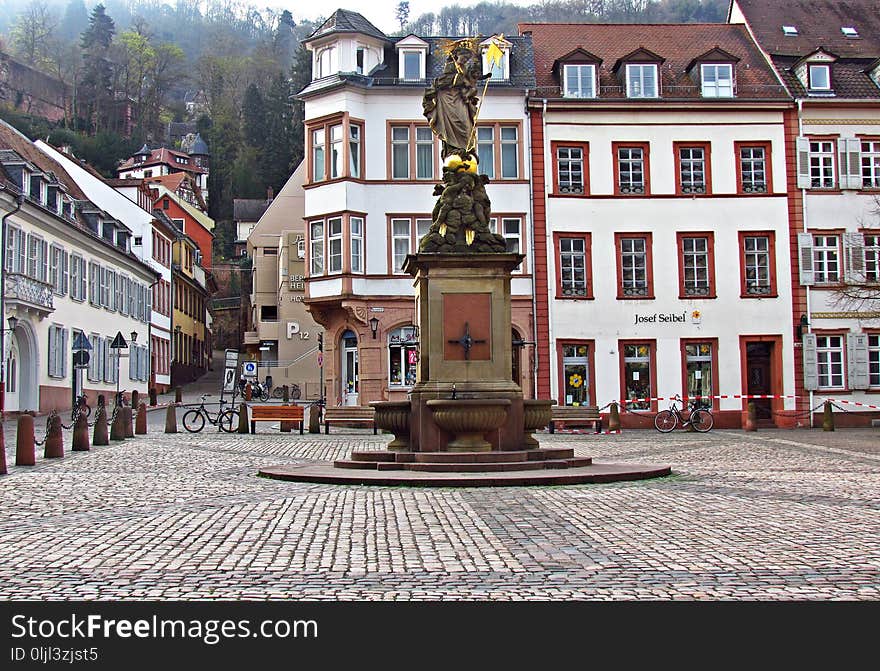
(81, 434)
(171, 419)
(54, 445)
(24, 444)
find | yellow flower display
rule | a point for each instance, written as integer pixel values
(575, 380)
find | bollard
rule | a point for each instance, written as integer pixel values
(171, 419)
(827, 417)
(3, 469)
(100, 436)
(315, 418)
(614, 418)
(140, 427)
(178, 394)
(152, 397)
(248, 392)
(751, 417)
(127, 417)
(286, 393)
(117, 427)
(243, 418)
(24, 444)
(81, 434)
(135, 398)
(53, 448)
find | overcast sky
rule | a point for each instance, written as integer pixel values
(381, 13)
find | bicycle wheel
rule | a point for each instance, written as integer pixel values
(702, 420)
(278, 392)
(665, 421)
(228, 420)
(193, 421)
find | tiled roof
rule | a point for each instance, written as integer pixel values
(162, 156)
(849, 78)
(11, 139)
(818, 23)
(678, 44)
(249, 209)
(344, 21)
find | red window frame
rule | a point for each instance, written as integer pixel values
(326, 123)
(646, 168)
(683, 343)
(585, 151)
(771, 251)
(707, 170)
(652, 366)
(588, 263)
(649, 265)
(710, 250)
(768, 166)
(591, 366)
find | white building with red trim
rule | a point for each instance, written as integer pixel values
(661, 220)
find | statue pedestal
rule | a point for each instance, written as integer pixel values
(463, 315)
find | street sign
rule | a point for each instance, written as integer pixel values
(81, 342)
(320, 359)
(81, 359)
(231, 358)
(119, 342)
(249, 369)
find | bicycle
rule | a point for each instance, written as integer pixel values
(700, 418)
(81, 407)
(194, 419)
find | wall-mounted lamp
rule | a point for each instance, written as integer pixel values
(802, 326)
(12, 320)
(134, 336)
(374, 326)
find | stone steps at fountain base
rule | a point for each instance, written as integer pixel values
(466, 467)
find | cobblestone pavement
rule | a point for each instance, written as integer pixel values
(770, 515)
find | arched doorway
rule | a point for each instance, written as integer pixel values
(348, 368)
(11, 377)
(22, 368)
(516, 353)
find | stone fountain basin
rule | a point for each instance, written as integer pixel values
(468, 419)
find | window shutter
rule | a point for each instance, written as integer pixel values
(64, 350)
(132, 363)
(811, 362)
(53, 351)
(857, 360)
(853, 161)
(805, 253)
(65, 272)
(9, 252)
(803, 163)
(854, 257)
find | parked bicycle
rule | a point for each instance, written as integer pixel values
(700, 417)
(226, 419)
(293, 392)
(81, 407)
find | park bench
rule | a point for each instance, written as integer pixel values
(350, 414)
(276, 413)
(575, 416)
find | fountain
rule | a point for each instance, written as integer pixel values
(466, 422)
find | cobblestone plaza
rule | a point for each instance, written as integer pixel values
(778, 515)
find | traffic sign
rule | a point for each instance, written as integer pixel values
(81, 359)
(320, 359)
(249, 369)
(119, 342)
(81, 342)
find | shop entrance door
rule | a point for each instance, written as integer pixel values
(758, 376)
(349, 369)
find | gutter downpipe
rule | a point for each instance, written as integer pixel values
(532, 266)
(800, 106)
(19, 199)
(543, 193)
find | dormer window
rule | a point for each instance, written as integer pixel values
(819, 77)
(790, 31)
(325, 62)
(500, 71)
(641, 80)
(579, 80)
(716, 80)
(849, 31)
(411, 65)
(36, 188)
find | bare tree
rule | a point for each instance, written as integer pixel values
(860, 289)
(32, 33)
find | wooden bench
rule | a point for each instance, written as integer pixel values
(276, 413)
(350, 414)
(575, 415)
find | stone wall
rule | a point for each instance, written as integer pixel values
(33, 92)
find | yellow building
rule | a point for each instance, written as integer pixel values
(190, 336)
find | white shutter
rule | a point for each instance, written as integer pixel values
(857, 360)
(64, 350)
(132, 362)
(811, 362)
(9, 252)
(53, 351)
(803, 163)
(850, 163)
(805, 254)
(65, 272)
(854, 257)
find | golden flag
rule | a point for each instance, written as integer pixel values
(494, 55)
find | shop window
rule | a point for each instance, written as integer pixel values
(575, 368)
(403, 356)
(699, 371)
(637, 375)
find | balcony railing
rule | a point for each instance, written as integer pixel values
(29, 293)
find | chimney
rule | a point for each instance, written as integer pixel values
(270, 194)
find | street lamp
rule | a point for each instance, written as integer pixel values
(134, 336)
(13, 322)
(374, 326)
